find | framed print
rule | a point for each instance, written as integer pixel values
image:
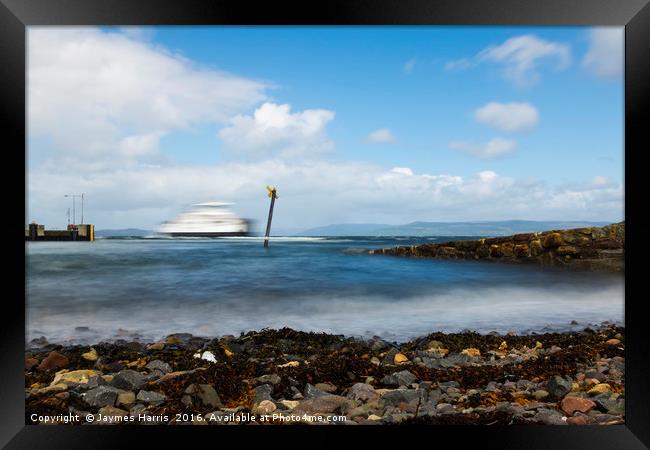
(406, 217)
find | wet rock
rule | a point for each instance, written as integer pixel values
(613, 342)
(576, 420)
(397, 396)
(400, 358)
(607, 419)
(549, 417)
(269, 379)
(263, 392)
(265, 407)
(570, 404)
(30, 363)
(156, 346)
(362, 391)
(150, 397)
(90, 355)
(205, 393)
(326, 387)
(313, 392)
(610, 406)
(601, 388)
(558, 387)
(157, 364)
(125, 398)
(389, 359)
(74, 377)
(101, 396)
(38, 342)
(128, 379)
(540, 394)
(403, 378)
(53, 361)
(594, 374)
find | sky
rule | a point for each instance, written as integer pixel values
(352, 124)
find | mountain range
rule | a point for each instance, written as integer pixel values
(488, 228)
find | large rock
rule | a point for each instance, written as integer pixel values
(403, 378)
(101, 396)
(263, 392)
(570, 404)
(54, 361)
(558, 386)
(128, 379)
(157, 364)
(205, 393)
(362, 391)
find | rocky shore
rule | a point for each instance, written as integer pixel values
(287, 377)
(592, 248)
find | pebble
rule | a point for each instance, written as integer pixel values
(601, 388)
(125, 398)
(101, 396)
(90, 355)
(150, 397)
(402, 378)
(362, 391)
(269, 379)
(128, 379)
(157, 364)
(265, 407)
(558, 386)
(400, 358)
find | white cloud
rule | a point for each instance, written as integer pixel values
(521, 58)
(409, 65)
(605, 54)
(494, 148)
(274, 130)
(382, 136)
(510, 117)
(106, 98)
(314, 193)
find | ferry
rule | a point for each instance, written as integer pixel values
(209, 219)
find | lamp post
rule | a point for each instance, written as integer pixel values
(74, 216)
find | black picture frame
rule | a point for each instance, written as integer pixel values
(16, 15)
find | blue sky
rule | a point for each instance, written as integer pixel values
(464, 123)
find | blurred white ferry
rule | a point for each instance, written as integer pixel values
(210, 219)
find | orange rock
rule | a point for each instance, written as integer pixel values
(577, 420)
(53, 361)
(570, 404)
(400, 358)
(471, 352)
(613, 342)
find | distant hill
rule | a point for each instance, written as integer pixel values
(488, 228)
(123, 232)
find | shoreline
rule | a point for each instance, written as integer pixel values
(290, 377)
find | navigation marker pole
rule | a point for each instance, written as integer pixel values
(273, 194)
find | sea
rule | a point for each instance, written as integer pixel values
(147, 288)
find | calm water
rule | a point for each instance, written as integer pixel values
(153, 287)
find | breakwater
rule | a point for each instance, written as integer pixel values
(591, 248)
